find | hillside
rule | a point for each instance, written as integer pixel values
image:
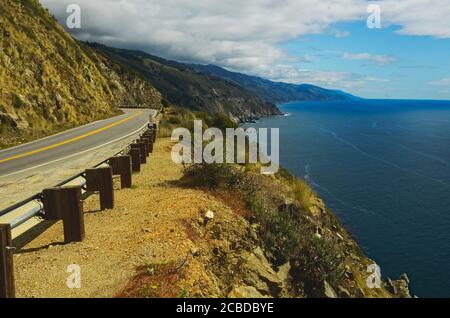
(49, 82)
(173, 235)
(275, 92)
(183, 86)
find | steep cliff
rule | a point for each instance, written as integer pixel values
(49, 82)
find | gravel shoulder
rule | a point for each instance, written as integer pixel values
(146, 227)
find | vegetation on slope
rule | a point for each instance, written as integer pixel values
(276, 92)
(183, 86)
(294, 227)
(49, 82)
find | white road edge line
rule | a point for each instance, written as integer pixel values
(76, 154)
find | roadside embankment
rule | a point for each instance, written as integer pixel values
(171, 236)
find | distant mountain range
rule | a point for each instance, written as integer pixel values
(275, 92)
(214, 89)
(182, 85)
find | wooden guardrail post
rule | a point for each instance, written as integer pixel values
(52, 204)
(7, 285)
(121, 165)
(149, 136)
(65, 204)
(145, 149)
(100, 179)
(72, 215)
(141, 146)
(154, 134)
(135, 154)
(146, 141)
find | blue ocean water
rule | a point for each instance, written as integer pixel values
(383, 167)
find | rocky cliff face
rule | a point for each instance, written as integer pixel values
(49, 82)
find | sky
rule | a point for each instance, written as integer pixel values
(322, 42)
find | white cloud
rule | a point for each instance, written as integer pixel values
(418, 17)
(244, 35)
(379, 60)
(442, 82)
(341, 34)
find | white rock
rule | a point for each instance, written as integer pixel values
(209, 215)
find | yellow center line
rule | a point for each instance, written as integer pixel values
(62, 143)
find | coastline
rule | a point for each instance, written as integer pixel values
(200, 242)
(404, 280)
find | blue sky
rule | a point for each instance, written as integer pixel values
(414, 68)
(321, 42)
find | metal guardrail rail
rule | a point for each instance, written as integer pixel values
(33, 206)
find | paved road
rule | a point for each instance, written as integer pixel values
(36, 155)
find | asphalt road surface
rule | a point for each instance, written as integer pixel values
(37, 155)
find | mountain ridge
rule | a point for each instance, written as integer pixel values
(276, 92)
(183, 86)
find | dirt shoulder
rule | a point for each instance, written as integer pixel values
(157, 223)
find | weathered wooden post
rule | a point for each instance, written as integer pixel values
(100, 179)
(65, 204)
(72, 214)
(141, 147)
(135, 154)
(149, 136)
(121, 165)
(154, 134)
(146, 141)
(52, 204)
(7, 285)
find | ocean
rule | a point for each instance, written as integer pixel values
(383, 167)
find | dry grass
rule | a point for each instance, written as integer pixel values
(156, 281)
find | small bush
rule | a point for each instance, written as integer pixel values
(210, 175)
(303, 193)
(17, 101)
(165, 103)
(174, 120)
(221, 121)
(316, 260)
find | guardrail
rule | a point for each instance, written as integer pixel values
(64, 201)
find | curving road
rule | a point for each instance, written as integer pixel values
(38, 154)
(28, 169)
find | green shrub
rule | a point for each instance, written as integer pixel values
(303, 193)
(316, 260)
(174, 120)
(210, 175)
(17, 101)
(165, 103)
(221, 121)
